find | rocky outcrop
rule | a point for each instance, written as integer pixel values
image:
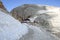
(2, 8)
(26, 11)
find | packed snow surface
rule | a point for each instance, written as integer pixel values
(36, 33)
(11, 29)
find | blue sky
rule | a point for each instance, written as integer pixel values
(10, 4)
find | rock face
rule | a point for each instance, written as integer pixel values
(26, 11)
(46, 16)
(2, 6)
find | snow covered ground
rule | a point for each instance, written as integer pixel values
(12, 29)
(36, 33)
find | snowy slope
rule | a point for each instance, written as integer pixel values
(11, 29)
(50, 20)
(36, 33)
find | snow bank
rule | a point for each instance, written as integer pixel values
(11, 29)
